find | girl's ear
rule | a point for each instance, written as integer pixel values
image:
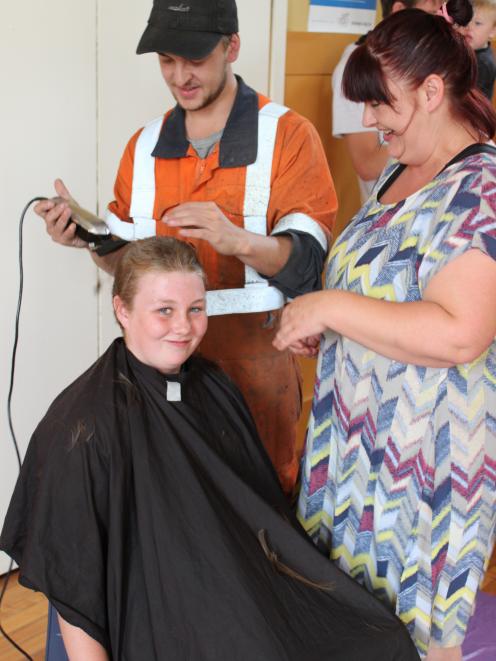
(121, 311)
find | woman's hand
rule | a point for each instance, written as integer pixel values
(303, 321)
(308, 347)
(453, 324)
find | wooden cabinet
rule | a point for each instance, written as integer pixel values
(310, 60)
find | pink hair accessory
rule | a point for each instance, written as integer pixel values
(443, 11)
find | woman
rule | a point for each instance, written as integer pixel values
(150, 516)
(399, 473)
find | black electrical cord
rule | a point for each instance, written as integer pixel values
(9, 401)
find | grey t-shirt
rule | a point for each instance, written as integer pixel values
(204, 146)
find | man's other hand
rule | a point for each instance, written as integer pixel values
(204, 220)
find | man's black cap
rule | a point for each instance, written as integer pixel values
(188, 28)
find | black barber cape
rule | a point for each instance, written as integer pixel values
(153, 525)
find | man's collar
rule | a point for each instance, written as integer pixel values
(172, 141)
(239, 142)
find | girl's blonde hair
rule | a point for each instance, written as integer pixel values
(159, 253)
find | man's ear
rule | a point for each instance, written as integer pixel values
(121, 311)
(432, 90)
(233, 48)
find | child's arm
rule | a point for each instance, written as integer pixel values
(78, 645)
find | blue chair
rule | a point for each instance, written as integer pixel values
(55, 650)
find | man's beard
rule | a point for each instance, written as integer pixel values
(213, 96)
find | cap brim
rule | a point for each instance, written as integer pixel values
(188, 44)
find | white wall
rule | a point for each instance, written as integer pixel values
(73, 91)
(48, 122)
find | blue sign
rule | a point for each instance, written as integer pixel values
(350, 4)
(345, 16)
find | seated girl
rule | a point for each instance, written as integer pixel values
(149, 515)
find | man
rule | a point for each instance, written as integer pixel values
(243, 179)
(367, 154)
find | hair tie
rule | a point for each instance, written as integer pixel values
(443, 11)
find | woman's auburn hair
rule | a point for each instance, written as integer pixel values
(410, 45)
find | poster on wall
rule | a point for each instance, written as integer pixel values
(346, 16)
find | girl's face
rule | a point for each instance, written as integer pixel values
(167, 319)
(402, 124)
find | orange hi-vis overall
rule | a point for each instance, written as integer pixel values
(268, 175)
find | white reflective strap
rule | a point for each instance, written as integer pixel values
(143, 190)
(253, 298)
(302, 223)
(255, 224)
(140, 228)
(144, 227)
(252, 277)
(258, 176)
(122, 229)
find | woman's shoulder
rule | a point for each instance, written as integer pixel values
(475, 159)
(468, 182)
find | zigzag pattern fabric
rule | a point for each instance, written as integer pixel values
(399, 472)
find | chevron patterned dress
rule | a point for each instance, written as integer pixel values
(399, 471)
